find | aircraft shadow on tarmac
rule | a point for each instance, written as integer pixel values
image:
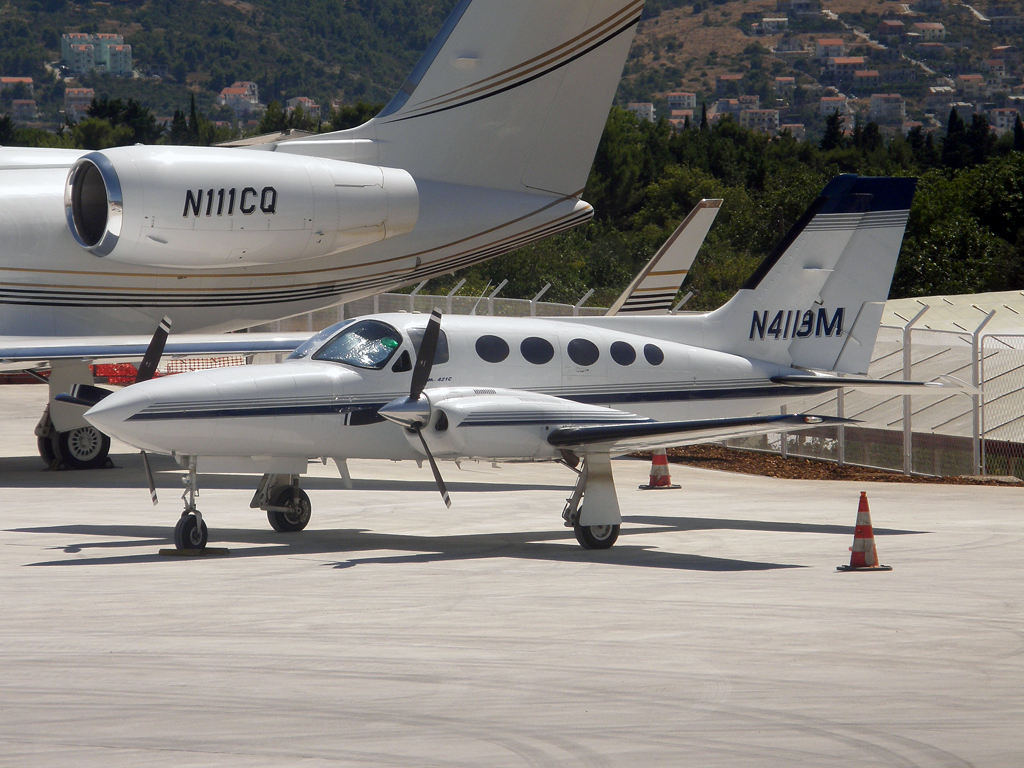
(356, 545)
(127, 473)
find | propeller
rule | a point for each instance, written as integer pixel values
(147, 369)
(414, 413)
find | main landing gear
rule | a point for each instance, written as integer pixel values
(80, 448)
(596, 526)
(287, 506)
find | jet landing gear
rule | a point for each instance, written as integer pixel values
(597, 526)
(287, 506)
(80, 448)
(191, 531)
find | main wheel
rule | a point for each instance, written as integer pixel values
(187, 535)
(298, 514)
(83, 448)
(596, 536)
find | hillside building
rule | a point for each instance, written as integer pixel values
(81, 52)
(241, 97)
(682, 100)
(9, 83)
(730, 81)
(829, 48)
(845, 67)
(867, 78)
(888, 108)
(643, 110)
(309, 107)
(930, 31)
(1003, 119)
(23, 110)
(764, 120)
(972, 86)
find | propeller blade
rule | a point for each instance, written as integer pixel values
(154, 351)
(425, 357)
(433, 468)
(149, 478)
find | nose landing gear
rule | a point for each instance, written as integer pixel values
(191, 531)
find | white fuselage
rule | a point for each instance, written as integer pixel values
(309, 408)
(52, 286)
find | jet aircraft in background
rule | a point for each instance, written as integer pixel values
(575, 390)
(485, 148)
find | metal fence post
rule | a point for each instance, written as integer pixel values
(452, 292)
(581, 302)
(908, 411)
(682, 303)
(841, 431)
(495, 292)
(412, 296)
(535, 299)
(785, 445)
(978, 397)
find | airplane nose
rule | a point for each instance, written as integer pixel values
(112, 415)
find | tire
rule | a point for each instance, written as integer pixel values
(299, 512)
(596, 536)
(46, 452)
(83, 448)
(187, 537)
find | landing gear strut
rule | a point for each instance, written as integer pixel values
(287, 506)
(191, 531)
(597, 527)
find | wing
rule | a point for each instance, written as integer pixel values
(625, 438)
(890, 386)
(18, 353)
(654, 289)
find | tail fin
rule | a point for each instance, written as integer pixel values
(816, 301)
(654, 289)
(509, 95)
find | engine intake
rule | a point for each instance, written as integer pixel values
(93, 203)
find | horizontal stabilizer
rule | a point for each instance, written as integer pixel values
(895, 387)
(625, 438)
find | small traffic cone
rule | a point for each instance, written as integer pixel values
(863, 554)
(660, 478)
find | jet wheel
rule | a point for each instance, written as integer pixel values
(46, 452)
(299, 510)
(187, 535)
(82, 448)
(596, 536)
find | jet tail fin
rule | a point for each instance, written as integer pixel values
(654, 289)
(815, 301)
(509, 95)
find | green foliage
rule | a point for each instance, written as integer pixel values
(965, 234)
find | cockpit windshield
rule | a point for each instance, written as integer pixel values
(364, 344)
(312, 344)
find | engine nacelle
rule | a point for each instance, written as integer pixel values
(502, 423)
(201, 207)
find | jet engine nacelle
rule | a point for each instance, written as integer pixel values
(201, 207)
(502, 423)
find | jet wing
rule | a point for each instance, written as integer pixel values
(19, 353)
(625, 438)
(654, 289)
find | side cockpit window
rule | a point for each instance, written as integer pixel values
(441, 355)
(364, 344)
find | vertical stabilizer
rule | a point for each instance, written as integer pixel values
(814, 301)
(509, 95)
(654, 289)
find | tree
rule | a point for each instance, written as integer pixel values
(179, 131)
(351, 115)
(954, 146)
(704, 116)
(8, 133)
(1018, 135)
(833, 138)
(274, 119)
(981, 141)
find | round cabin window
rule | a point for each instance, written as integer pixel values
(583, 352)
(623, 353)
(536, 350)
(493, 349)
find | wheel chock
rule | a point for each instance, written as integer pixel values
(207, 552)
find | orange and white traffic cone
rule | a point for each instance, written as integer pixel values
(863, 554)
(660, 478)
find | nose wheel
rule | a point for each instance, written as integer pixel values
(191, 532)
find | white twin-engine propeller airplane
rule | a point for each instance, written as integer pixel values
(574, 390)
(485, 148)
